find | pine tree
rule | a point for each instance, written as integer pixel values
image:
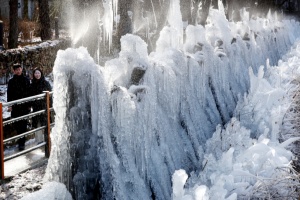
(125, 25)
(44, 17)
(13, 24)
(25, 10)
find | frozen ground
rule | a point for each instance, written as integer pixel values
(22, 184)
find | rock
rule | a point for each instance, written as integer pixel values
(198, 47)
(136, 75)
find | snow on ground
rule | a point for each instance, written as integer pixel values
(22, 184)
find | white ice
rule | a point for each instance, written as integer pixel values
(50, 191)
(212, 108)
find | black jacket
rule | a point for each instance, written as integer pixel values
(37, 87)
(18, 88)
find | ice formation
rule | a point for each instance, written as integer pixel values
(50, 191)
(117, 140)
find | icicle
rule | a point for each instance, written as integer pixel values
(154, 14)
(108, 20)
(175, 21)
(115, 8)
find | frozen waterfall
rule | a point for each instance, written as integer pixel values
(120, 138)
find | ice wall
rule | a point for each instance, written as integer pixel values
(118, 139)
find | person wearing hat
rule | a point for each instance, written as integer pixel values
(18, 88)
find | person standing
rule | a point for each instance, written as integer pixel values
(18, 88)
(38, 85)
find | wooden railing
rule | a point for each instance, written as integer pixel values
(47, 127)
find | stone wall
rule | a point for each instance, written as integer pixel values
(41, 55)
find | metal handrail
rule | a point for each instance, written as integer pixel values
(25, 151)
(23, 117)
(24, 134)
(27, 99)
(9, 121)
(47, 144)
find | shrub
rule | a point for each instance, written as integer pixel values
(27, 30)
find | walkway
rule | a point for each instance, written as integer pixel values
(24, 162)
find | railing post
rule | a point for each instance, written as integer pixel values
(1, 143)
(47, 135)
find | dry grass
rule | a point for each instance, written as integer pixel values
(27, 31)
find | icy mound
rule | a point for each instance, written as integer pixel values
(50, 191)
(237, 167)
(123, 139)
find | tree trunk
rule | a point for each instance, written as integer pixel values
(46, 33)
(89, 10)
(204, 11)
(150, 17)
(125, 24)
(161, 11)
(195, 11)
(35, 16)
(185, 7)
(13, 24)
(264, 6)
(214, 4)
(234, 7)
(25, 10)
(91, 37)
(138, 18)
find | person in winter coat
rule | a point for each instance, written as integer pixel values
(18, 88)
(38, 85)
